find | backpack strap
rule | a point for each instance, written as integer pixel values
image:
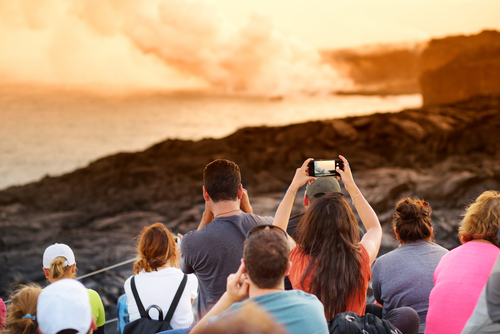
(142, 311)
(177, 297)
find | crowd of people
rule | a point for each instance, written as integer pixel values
(243, 273)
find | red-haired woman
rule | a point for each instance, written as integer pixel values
(158, 277)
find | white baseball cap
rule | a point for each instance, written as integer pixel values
(64, 305)
(58, 250)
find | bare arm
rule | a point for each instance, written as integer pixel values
(285, 208)
(237, 288)
(373, 236)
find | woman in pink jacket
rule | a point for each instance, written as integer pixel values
(462, 273)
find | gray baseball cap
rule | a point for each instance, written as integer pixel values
(323, 185)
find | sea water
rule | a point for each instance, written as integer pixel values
(51, 131)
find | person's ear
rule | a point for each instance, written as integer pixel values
(306, 201)
(206, 197)
(73, 268)
(244, 266)
(432, 233)
(397, 234)
(240, 191)
(289, 268)
(46, 272)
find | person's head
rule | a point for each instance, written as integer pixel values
(249, 319)
(412, 220)
(222, 180)
(22, 315)
(156, 248)
(320, 187)
(329, 233)
(328, 218)
(64, 308)
(481, 219)
(59, 262)
(267, 256)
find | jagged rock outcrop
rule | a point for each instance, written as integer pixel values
(459, 67)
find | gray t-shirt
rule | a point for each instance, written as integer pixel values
(215, 252)
(403, 277)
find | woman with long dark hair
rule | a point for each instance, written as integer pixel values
(328, 259)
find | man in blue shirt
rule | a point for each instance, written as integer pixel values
(264, 265)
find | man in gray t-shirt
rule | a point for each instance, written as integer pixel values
(214, 250)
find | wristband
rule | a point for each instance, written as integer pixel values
(355, 198)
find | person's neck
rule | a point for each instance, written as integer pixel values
(226, 208)
(482, 240)
(255, 291)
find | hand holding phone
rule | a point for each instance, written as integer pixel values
(320, 168)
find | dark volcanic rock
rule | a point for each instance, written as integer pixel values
(447, 155)
(459, 67)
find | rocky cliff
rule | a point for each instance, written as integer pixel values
(459, 67)
(447, 155)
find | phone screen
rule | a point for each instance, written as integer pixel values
(325, 168)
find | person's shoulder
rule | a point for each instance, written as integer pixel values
(93, 294)
(302, 295)
(259, 220)
(436, 247)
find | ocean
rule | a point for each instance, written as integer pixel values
(54, 130)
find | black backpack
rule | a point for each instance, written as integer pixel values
(352, 323)
(146, 325)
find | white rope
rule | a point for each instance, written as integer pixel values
(98, 272)
(105, 269)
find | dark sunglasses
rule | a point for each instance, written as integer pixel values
(266, 227)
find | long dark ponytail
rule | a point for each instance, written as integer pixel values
(329, 234)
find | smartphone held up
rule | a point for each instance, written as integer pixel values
(320, 168)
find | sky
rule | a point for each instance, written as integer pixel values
(348, 23)
(259, 47)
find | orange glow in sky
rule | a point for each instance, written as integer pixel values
(258, 46)
(346, 23)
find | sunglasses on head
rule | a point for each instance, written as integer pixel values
(266, 227)
(318, 195)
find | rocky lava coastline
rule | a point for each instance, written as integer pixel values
(445, 154)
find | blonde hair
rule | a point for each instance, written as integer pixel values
(22, 309)
(481, 219)
(58, 269)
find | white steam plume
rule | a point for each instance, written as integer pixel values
(154, 43)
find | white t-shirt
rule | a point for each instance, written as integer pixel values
(159, 288)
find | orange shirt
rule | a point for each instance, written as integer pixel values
(299, 264)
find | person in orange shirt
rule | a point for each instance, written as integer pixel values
(328, 259)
